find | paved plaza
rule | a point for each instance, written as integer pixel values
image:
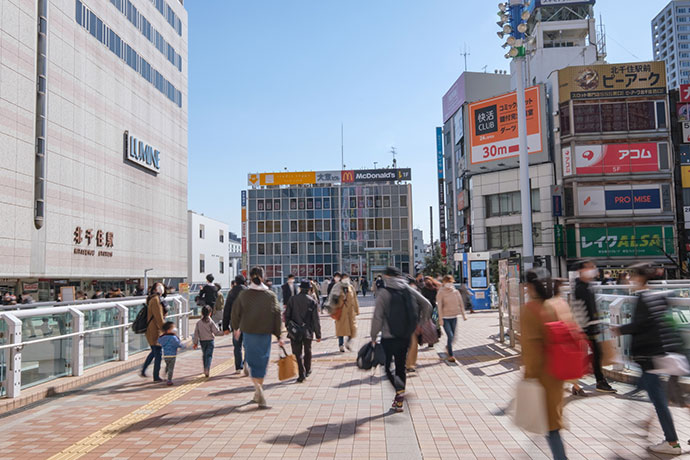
(455, 411)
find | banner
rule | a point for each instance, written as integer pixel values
(618, 199)
(603, 242)
(616, 158)
(376, 175)
(328, 177)
(244, 230)
(493, 128)
(441, 195)
(612, 80)
(567, 155)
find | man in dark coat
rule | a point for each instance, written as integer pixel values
(209, 292)
(240, 285)
(289, 289)
(303, 310)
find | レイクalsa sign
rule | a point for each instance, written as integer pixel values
(610, 242)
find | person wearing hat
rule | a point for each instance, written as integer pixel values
(303, 311)
(240, 285)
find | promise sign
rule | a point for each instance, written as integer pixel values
(494, 127)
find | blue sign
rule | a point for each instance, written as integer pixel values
(685, 154)
(557, 206)
(244, 198)
(620, 200)
(439, 151)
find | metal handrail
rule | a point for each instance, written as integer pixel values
(28, 306)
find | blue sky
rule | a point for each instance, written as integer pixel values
(271, 81)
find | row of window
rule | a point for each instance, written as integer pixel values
(169, 14)
(617, 116)
(510, 236)
(333, 192)
(92, 23)
(202, 265)
(360, 202)
(147, 30)
(506, 204)
(318, 225)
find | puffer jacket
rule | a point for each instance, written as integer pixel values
(449, 301)
(379, 322)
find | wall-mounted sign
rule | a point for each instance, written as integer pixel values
(684, 93)
(458, 127)
(243, 236)
(612, 80)
(685, 176)
(493, 127)
(616, 158)
(618, 199)
(323, 177)
(99, 238)
(603, 242)
(686, 132)
(141, 153)
(686, 214)
(567, 155)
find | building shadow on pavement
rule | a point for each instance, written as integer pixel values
(319, 434)
(364, 380)
(244, 389)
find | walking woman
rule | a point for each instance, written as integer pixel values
(450, 306)
(256, 315)
(533, 315)
(155, 319)
(430, 289)
(345, 313)
(653, 335)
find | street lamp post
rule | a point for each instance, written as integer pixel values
(146, 280)
(513, 22)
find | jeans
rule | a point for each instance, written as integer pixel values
(237, 348)
(596, 361)
(652, 384)
(155, 355)
(170, 366)
(207, 352)
(304, 365)
(449, 325)
(396, 351)
(341, 340)
(556, 445)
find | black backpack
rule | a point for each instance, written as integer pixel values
(141, 322)
(401, 316)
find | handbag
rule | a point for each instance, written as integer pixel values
(529, 409)
(429, 333)
(366, 357)
(287, 365)
(295, 331)
(671, 364)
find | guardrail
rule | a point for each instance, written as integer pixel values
(39, 343)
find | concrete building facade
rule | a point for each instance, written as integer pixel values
(207, 251)
(671, 41)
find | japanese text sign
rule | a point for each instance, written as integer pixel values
(684, 93)
(616, 158)
(493, 126)
(603, 242)
(612, 80)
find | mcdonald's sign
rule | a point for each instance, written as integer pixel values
(348, 176)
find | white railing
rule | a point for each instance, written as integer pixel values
(89, 334)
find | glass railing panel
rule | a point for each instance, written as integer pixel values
(4, 358)
(137, 342)
(103, 346)
(48, 360)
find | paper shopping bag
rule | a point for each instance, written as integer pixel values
(530, 407)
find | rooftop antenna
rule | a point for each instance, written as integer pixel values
(395, 162)
(465, 54)
(375, 163)
(342, 146)
(484, 68)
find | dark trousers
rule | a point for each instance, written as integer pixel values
(652, 384)
(449, 325)
(556, 445)
(237, 349)
(207, 347)
(596, 361)
(303, 363)
(155, 355)
(396, 351)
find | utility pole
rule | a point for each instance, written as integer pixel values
(431, 229)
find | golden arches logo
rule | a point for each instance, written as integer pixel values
(348, 176)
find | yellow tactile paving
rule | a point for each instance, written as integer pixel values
(107, 433)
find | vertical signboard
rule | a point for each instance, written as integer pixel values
(441, 198)
(244, 233)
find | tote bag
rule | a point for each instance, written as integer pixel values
(529, 410)
(287, 365)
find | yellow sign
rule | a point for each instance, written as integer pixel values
(282, 178)
(685, 176)
(612, 80)
(183, 288)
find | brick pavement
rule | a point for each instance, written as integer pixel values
(454, 412)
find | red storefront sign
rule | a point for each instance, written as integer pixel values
(311, 270)
(294, 270)
(302, 271)
(616, 158)
(684, 93)
(319, 270)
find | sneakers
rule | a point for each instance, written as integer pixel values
(259, 398)
(169, 383)
(347, 345)
(342, 349)
(410, 370)
(398, 402)
(604, 387)
(246, 370)
(665, 448)
(451, 359)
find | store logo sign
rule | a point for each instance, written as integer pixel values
(348, 176)
(141, 153)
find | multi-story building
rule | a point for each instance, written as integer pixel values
(314, 224)
(93, 144)
(207, 251)
(671, 41)
(234, 255)
(419, 254)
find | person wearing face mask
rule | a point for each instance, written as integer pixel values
(289, 290)
(345, 309)
(586, 304)
(334, 281)
(155, 318)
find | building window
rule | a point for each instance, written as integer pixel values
(293, 204)
(293, 248)
(261, 249)
(506, 204)
(202, 264)
(221, 236)
(221, 268)
(202, 231)
(403, 201)
(510, 236)
(261, 227)
(276, 205)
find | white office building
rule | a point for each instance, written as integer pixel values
(234, 255)
(207, 251)
(671, 41)
(419, 253)
(93, 143)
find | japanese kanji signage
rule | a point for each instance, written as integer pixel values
(89, 237)
(606, 242)
(244, 230)
(329, 177)
(493, 127)
(612, 80)
(684, 93)
(616, 158)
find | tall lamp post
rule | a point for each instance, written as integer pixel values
(146, 280)
(513, 23)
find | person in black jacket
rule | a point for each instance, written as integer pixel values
(209, 292)
(586, 301)
(304, 311)
(652, 336)
(240, 285)
(289, 289)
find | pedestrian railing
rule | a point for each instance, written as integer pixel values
(43, 343)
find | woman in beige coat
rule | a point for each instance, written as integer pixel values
(533, 315)
(155, 318)
(346, 311)
(450, 306)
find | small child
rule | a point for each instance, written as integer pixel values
(204, 333)
(170, 343)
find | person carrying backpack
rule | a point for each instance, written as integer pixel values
(302, 323)
(396, 316)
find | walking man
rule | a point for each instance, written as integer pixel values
(587, 307)
(208, 293)
(240, 285)
(302, 315)
(289, 289)
(396, 316)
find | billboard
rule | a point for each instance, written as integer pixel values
(614, 158)
(642, 241)
(376, 175)
(493, 135)
(454, 98)
(441, 195)
(540, 3)
(244, 232)
(619, 200)
(328, 177)
(612, 80)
